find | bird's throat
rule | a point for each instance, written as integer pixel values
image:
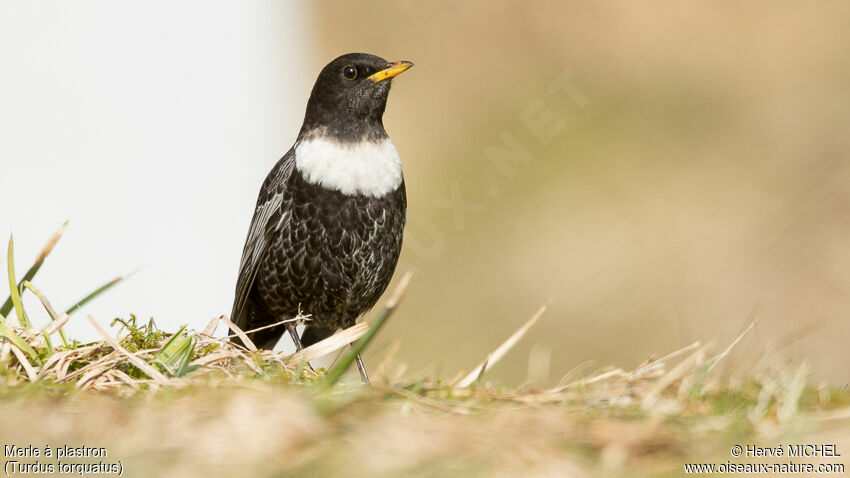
(370, 168)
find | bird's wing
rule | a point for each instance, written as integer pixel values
(268, 218)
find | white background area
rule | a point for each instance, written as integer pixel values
(150, 126)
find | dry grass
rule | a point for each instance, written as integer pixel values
(194, 404)
(263, 414)
(103, 365)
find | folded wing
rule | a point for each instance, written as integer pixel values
(268, 219)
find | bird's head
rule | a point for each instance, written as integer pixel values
(349, 97)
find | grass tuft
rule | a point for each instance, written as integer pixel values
(205, 394)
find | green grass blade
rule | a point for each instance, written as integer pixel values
(45, 251)
(18, 341)
(348, 358)
(49, 344)
(15, 293)
(88, 298)
(358, 347)
(176, 354)
(169, 347)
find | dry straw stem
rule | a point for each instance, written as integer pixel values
(32, 374)
(245, 340)
(57, 324)
(693, 361)
(726, 352)
(650, 367)
(211, 327)
(329, 345)
(297, 318)
(500, 352)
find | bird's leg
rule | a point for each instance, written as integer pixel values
(290, 327)
(363, 376)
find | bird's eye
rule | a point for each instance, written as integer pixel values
(349, 72)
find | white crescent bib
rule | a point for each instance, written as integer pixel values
(371, 169)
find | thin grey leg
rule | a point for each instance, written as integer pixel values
(363, 375)
(290, 327)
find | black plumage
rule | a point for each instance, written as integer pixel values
(315, 246)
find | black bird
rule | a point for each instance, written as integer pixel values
(327, 229)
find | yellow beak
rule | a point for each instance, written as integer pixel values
(393, 69)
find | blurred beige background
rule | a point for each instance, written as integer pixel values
(700, 178)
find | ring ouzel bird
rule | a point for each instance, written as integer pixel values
(327, 228)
